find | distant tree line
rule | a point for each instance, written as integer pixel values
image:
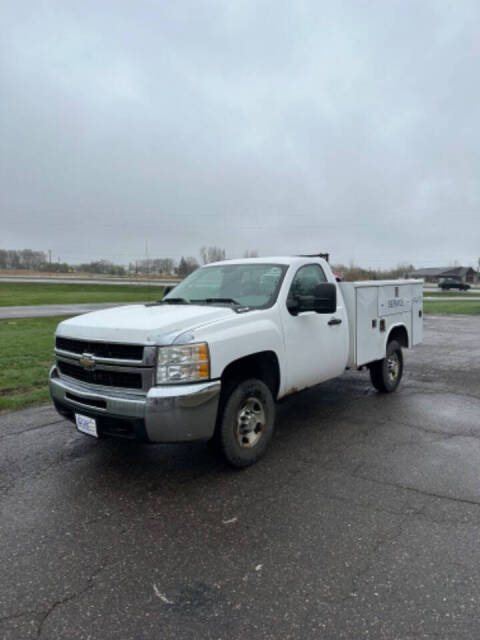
(28, 259)
(104, 267)
(353, 272)
(185, 266)
(24, 259)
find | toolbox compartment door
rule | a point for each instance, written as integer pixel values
(369, 340)
(417, 314)
(393, 299)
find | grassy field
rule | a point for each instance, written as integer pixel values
(27, 293)
(26, 354)
(464, 307)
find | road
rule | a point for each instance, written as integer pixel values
(429, 289)
(362, 522)
(44, 310)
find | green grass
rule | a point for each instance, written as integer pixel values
(26, 354)
(32, 293)
(464, 307)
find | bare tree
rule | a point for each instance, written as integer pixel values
(211, 254)
(186, 266)
(250, 253)
(22, 259)
(157, 265)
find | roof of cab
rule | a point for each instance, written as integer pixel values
(286, 260)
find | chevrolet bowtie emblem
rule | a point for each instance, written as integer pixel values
(87, 362)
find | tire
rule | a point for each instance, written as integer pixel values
(386, 374)
(246, 423)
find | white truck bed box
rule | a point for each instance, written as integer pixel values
(373, 308)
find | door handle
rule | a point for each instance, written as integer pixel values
(334, 321)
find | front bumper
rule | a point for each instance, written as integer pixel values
(180, 413)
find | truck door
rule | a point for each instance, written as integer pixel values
(316, 344)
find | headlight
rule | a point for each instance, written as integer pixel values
(183, 363)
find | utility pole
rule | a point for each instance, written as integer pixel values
(146, 256)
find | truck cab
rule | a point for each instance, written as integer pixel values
(211, 359)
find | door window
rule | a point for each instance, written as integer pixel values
(306, 281)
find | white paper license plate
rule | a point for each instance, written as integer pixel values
(86, 425)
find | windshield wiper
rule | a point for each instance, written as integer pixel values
(222, 300)
(174, 301)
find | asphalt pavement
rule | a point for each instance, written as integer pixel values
(362, 522)
(475, 290)
(44, 310)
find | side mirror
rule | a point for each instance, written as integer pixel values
(167, 289)
(324, 300)
(293, 305)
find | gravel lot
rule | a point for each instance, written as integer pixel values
(362, 522)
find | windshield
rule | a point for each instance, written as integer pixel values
(247, 285)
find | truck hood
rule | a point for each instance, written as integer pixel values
(141, 324)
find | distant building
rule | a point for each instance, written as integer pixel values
(429, 274)
(435, 274)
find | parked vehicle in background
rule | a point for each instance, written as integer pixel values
(211, 359)
(453, 283)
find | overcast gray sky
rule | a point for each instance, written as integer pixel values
(346, 126)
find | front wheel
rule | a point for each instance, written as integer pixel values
(245, 425)
(386, 374)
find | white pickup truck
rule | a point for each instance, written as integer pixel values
(211, 359)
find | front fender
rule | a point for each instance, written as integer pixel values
(240, 336)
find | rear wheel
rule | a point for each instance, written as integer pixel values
(246, 423)
(386, 374)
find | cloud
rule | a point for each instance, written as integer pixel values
(283, 127)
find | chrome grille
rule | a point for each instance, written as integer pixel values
(106, 364)
(111, 350)
(105, 377)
